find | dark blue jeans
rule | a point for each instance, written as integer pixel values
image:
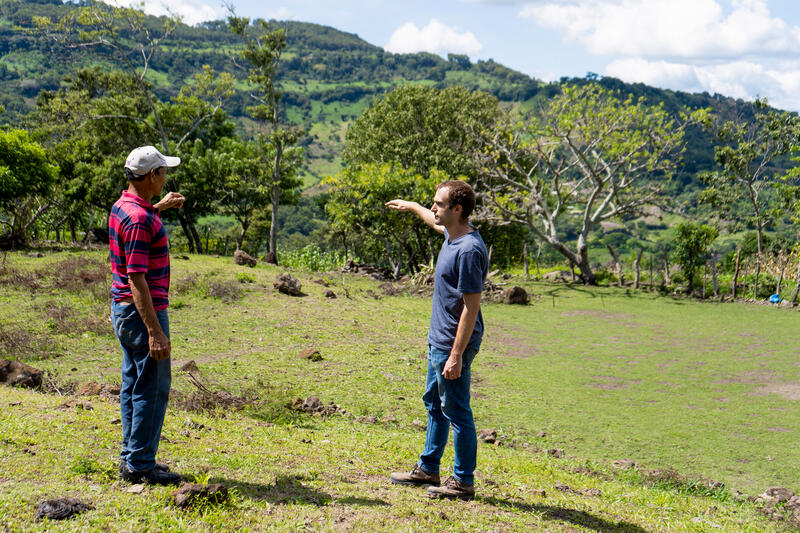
(447, 402)
(145, 387)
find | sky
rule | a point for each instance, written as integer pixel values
(738, 48)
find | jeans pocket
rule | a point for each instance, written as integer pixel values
(130, 328)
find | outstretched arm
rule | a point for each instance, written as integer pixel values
(422, 212)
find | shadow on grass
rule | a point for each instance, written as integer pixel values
(572, 516)
(289, 489)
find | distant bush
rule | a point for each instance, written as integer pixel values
(311, 257)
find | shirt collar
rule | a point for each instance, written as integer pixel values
(138, 200)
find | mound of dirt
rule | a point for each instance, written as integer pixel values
(314, 406)
(98, 389)
(61, 508)
(191, 493)
(16, 374)
(240, 257)
(516, 296)
(287, 284)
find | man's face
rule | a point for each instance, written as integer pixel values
(160, 179)
(444, 214)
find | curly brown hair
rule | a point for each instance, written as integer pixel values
(460, 193)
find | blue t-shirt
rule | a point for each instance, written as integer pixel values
(461, 268)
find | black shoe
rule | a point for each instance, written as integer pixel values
(124, 466)
(154, 476)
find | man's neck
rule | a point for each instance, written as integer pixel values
(459, 229)
(142, 193)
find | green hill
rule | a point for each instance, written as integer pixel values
(329, 77)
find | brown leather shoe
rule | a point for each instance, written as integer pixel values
(452, 489)
(417, 477)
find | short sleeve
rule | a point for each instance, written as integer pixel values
(470, 272)
(137, 236)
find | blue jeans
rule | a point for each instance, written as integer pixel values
(145, 387)
(447, 402)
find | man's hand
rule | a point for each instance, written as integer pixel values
(160, 347)
(400, 205)
(171, 199)
(452, 368)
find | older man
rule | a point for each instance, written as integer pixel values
(139, 255)
(454, 338)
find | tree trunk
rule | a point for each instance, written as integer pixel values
(272, 256)
(617, 265)
(666, 268)
(758, 258)
(242, 233)
(525, 260)
(636, 268)
(714, 274)
(538, 254)
(736, 273)
(72, 232)
(651, 271)
(705, 277)
(796, 287)
(780, 279)
(186, 231)
(196, 236)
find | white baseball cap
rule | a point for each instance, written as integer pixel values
(146, 158)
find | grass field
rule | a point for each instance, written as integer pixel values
(709, 390)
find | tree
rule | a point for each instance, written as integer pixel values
(128, 39)
(26, 177)
(246, 177)
(263, 53)
(356, 203)
(423, 129)
(588, 155)
(408, 141)
(746, 169)
(692, 243)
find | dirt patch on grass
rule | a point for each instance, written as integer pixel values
(612, 382)
(749, 378)
(512, 346)
(787, 391)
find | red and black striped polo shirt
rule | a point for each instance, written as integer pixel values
(138, 243)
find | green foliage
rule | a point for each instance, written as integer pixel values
(26, 179)
(692, 242)
(356, 210)
(423, 129)
(24, 168)
(746, 159)
(311, 257)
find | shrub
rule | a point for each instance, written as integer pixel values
(311, 257)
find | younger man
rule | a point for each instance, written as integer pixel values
(453, 341)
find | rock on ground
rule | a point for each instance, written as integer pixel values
(240, 257)
(16, 374)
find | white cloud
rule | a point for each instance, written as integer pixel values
(672, 29)
(191, 11)
(739, 79)
(436, 38)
